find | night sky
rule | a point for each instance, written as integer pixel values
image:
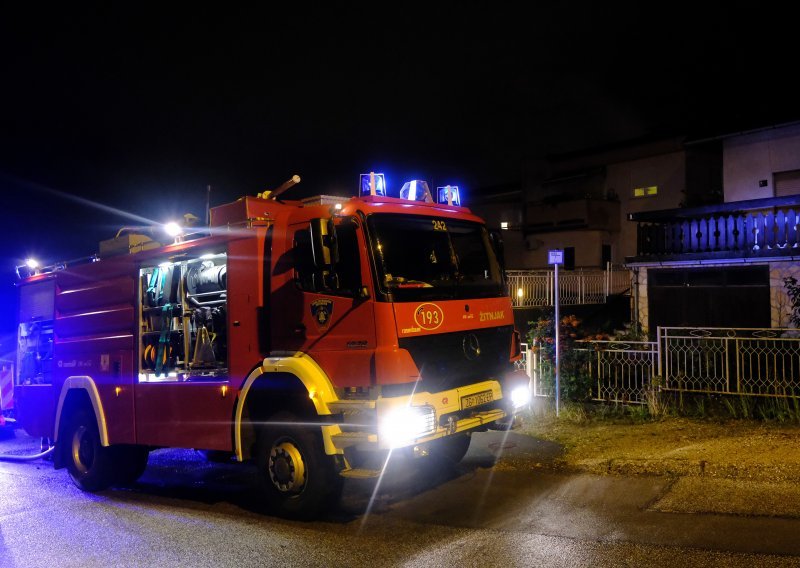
(140, 109)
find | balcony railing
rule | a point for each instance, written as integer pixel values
(741, 229)
(534, 288)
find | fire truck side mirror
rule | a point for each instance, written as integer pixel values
(496, 238)
(323, 243)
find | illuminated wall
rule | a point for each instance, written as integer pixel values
(751, 162)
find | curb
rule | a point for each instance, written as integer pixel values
(678, 468)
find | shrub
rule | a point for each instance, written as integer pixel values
(574, 375)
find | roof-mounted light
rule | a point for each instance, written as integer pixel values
(373, 184)
(28, 268)
(173, 229)
(449, 194)
(416, 190)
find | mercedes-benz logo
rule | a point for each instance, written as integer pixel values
(471, 346)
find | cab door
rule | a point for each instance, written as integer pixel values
(336, 321)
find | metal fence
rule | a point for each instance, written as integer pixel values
(763, 362)
(620, 371)
(756, 362)
(534, 288)
(540, 371)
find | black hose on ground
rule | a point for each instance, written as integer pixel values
(13, 458)
(26, 458)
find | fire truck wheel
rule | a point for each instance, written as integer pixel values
(131, 461)
(452, 448)
(90, 465)
(298, 479)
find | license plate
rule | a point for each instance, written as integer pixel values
(476, 399)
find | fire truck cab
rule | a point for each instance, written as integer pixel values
(313, 337)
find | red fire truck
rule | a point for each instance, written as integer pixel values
(313, 337)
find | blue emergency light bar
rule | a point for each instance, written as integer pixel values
(449, 194)
(373, 184)
(416, 190)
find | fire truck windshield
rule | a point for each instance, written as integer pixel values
(434, 258)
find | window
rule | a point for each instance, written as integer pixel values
(348, 269)
(646, 191)
(786, 183)
(605, 255)
(569, 258)
(434, 258)
(345, 279)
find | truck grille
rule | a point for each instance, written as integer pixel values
(449, 360)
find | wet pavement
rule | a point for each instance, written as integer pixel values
(186, 511)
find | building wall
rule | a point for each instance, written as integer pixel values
(779, 300)
(666, 171)
(609, 175)
(497, 212)
(751, 158)
(530, 252)
(639, 297)
(587, 243)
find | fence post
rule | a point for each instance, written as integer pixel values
(599, 376)
(659, 355)
(528, 361)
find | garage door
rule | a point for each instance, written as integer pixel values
(709, 297)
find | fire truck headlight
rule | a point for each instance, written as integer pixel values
(520, 396)
(403, 425)
(173, 229)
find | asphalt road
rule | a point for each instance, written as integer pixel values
(186, 511)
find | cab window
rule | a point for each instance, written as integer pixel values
(345, 278)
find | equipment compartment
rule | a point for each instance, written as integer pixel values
(183, 323)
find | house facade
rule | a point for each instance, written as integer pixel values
(708, 227)
(725, 265)
(580, 202)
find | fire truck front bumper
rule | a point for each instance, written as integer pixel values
(415, 420)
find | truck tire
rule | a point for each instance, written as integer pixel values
(297, 478)
(452, 449)
(90, 465)
(130, 463)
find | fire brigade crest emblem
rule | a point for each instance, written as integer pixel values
(322, 310)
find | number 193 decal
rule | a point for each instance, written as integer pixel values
(429, 316)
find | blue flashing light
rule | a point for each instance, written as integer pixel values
(373, 184)
(449, 194)
(416, 190)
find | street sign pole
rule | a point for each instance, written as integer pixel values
(558, 350)
(556, 257)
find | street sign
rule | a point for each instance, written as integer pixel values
(555, 257)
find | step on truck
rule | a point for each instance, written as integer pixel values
(313, 337)
(6, 395)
